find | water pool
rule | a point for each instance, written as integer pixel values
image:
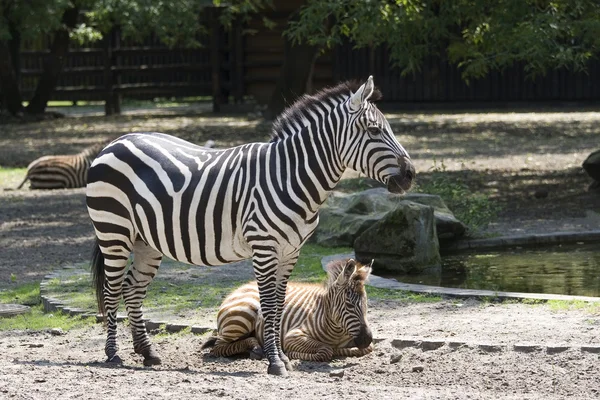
(561, 269)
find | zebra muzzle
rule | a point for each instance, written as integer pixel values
(403, 181)
(364, 337)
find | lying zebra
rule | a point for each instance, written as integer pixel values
(62, 171)
(318, 322)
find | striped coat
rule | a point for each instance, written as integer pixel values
(61, 171)
(318, 321)
(156, 195)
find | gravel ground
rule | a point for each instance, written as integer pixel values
(509, 156)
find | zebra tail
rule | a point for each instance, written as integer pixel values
(24, 180)
(98, 277)
(210, 342)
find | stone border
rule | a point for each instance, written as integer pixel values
(425, 344)
(540, 239)
(433, 344)
(51, 304)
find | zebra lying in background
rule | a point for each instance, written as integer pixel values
(62, 171)
(318, 322)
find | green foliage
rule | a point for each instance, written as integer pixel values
(474, 209)
(31, 18)
(478, 35)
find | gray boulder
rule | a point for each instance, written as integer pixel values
(591, 165)
(403, 241)
(344, 217)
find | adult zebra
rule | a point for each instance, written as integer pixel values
(61, 171)
(155, 195)
(318, 321)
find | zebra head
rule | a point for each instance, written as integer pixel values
(348, 300)
(370, 144)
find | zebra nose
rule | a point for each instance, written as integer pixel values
(404, 179)
(364, 337)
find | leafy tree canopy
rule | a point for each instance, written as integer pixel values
(478, 35)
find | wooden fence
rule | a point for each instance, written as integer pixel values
(234, 66)
(118, 68)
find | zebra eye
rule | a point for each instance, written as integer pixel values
(374, 130)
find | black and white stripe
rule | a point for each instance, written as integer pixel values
(318, 322)
(154, 195)
(61, 171)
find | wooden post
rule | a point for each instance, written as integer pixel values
(108, 79)
(215, 60)
(116, 74)
(237, 72)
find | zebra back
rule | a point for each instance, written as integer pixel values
(61, 171)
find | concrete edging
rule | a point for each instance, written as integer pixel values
(538, 239)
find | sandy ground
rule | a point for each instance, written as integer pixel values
(41, 231)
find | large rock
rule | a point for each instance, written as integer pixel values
(591, 165)
(403, 241)
(344, 217)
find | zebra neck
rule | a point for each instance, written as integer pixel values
(312, 156)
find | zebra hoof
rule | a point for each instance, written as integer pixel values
(257, 353)
(286, 362)
(114, 360)
(151, 357)
(277, 369)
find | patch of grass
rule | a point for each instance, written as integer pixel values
(11, 177)
(474, 209)
(27, 294)
(37, 320)
(401, 295)
(308, 268)
(562, 305)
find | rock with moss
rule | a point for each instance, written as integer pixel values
(403, 241)
(345, 216)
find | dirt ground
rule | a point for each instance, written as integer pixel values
(509, 156)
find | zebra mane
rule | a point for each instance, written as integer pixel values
(334, 268)
(300, 110)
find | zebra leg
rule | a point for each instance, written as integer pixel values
(283, 274)
(224, 348)
(265, 264)
(145, 264)
(303, 347)
(352, 351)
(114, 266)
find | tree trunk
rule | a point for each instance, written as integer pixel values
(54, 63)
(9, 86)
(295, 76)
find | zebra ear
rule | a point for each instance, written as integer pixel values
(358, 99)
(347, 272)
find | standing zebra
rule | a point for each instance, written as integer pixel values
(154, 195)
(61, 172)
(317, 322)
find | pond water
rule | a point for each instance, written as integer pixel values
(573, 270)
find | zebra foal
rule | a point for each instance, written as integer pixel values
(152, 194)
(61, 171)
(318, 322)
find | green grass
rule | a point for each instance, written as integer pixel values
(401, 295)
(27, 294)
(37, 320)
(11, 177)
